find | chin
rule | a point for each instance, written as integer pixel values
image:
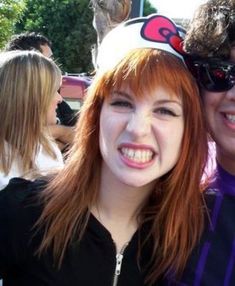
(136, 183)
(53, 121)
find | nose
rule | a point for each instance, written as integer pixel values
(58, 97)
(139, 124)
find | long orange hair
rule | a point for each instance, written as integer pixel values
(175, 208)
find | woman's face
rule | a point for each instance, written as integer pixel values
(220, 114)
(140, 138)
(51, 114)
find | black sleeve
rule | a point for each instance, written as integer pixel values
(18, 213)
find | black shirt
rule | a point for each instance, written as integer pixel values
(90, 262)
(65, 114)
(212, 262)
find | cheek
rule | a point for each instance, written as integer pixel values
(175, 144)
(232, 54)
(212, 99)
(176, 137)
(51, 115)
(170, 134)
(53, 107)
(111, 129)
(104, 131)
(170, 146)
(54, 103)
(108, 129)
(211, 102)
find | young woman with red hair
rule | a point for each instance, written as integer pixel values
(127, 206)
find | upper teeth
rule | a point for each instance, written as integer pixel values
(230, 117)
(137, 155)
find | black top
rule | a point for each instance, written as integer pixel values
(90, 262)
(65, 114)
(212, 262)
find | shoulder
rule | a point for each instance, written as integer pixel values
(20, 188)
(15, 169)
(45, 162)
(20, 200)
(211, 194)
(20, 208)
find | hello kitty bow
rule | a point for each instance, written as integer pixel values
(155, 31)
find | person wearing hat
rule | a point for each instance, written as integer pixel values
(127, 205)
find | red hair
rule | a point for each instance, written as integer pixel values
(175, 206)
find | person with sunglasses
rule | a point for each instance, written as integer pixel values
(211, 42)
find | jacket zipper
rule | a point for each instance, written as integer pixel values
(119, 258)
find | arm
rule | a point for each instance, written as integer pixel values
(64, 134)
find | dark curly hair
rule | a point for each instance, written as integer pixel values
(212, 30)
(27, 41)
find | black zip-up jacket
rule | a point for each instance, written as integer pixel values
(92, 262)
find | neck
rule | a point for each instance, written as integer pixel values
(227, 161)
(119, 200)
(118, 206)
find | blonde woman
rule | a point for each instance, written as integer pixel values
(28, 101)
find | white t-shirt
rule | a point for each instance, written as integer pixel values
(43, 161)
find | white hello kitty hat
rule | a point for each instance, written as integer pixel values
(155, 32)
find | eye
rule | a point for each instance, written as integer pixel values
(165, 111)
(121, 103)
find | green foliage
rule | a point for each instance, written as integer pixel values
(10, 12)
(68, 24)
(148, 8)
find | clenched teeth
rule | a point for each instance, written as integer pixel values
(137, 155)
(230, 117)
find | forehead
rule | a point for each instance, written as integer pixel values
(155, 93)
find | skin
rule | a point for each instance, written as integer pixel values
(62, 134)
(51, 114)
(220, 115)
(140, 140)
(46, 51)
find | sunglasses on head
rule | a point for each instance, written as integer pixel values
(214, 75)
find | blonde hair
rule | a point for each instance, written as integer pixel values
(28, 83)
(175, 207)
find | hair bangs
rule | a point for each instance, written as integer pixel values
(143, 70)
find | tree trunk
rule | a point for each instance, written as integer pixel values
(108, 14)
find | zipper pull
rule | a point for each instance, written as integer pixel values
(119, 258)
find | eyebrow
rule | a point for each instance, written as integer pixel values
(121, 93)
(161, 101)
(164, 101)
